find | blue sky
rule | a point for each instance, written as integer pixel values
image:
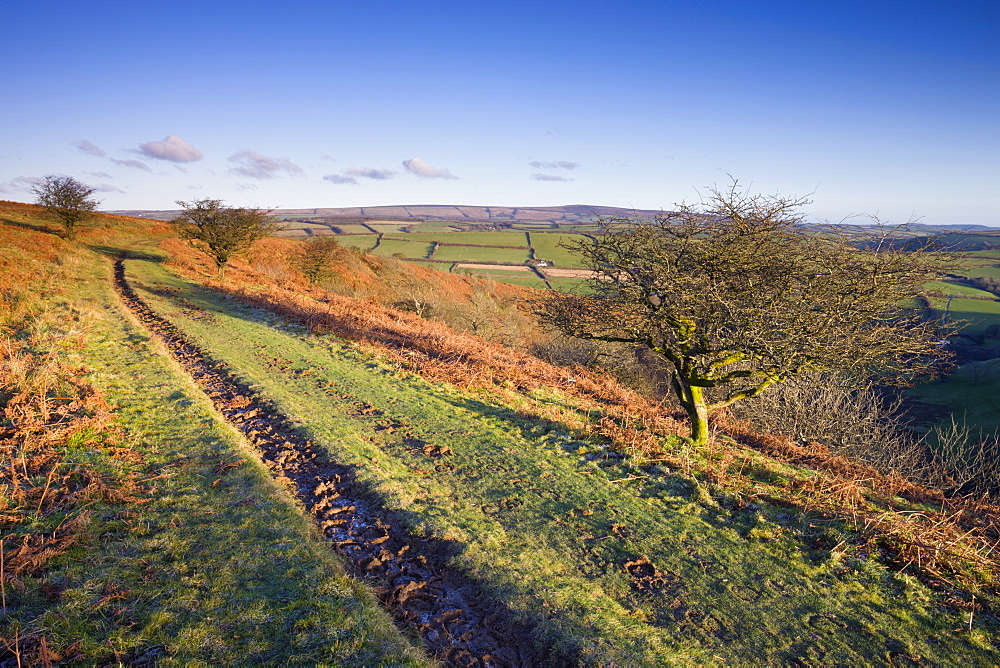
(881, 107)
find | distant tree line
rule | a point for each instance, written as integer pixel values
(986, 283)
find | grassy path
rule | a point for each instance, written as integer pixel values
(607, 561)
(218, 567)
(410, 576)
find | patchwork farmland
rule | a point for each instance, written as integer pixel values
(522, 246)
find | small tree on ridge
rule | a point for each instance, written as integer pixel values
(222, 231)
(67, 200)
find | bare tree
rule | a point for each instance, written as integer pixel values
(221, 231)
(737, 297)
(67, 200)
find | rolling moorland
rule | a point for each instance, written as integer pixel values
(381, 470)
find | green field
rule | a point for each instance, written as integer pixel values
(527, 279)
(298, 225)
(547, 247)
(364, 242)
(389, 228)
(972, 391)
(567, 284)
(977, 314)
(479, 254)
(348, 228)
(515, 239)
(433, 228)
(414, 249)
(956, 289)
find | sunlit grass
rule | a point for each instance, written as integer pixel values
(550, 521)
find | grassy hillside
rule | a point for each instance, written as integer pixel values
(136, 526)
(564, 500)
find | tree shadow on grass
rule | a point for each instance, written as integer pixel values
(115, 252)
(31, 226)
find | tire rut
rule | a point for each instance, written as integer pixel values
(459, 626)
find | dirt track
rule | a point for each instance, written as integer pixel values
(458, 625)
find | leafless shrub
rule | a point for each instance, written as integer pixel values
(968, 458)
(853, 418)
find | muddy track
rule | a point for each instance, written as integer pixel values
(458, 624)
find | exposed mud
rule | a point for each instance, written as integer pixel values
(458, 624)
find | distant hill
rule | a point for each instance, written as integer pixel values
(570, 214)
(557, 216)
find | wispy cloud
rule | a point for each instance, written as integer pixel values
(99, 175)
(108, 188)
(134, 164)
(422, 169)
(90, 149)
(243, 187)
(172, 148)
(548, 177)
(258, 166)
(20, 184)
(341, 180)
(562, 164)
(370, 173)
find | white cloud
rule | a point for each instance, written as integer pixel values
(548, 177)
(90, 149)
(562, 164)
(341, 180)
(134, 164)
(20, 184)
(424, 170)
(256, 165)
(172, 148)
(108, 188)
(370, 173)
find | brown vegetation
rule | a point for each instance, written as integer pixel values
(947, 541)
(48, 410)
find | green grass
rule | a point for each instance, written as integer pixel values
(414, 249)
(546, 520)
(474, 238)
(977, 314)
(547, 247)
(304, 226)
(972, 391)
(956, 289)
(434, 229)
(991, 271)
(477, 254)
(568, 284)
(350, 228)
(362, 242)
(219, 567)
(528, 280)
(389, 228)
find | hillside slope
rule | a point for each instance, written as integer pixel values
(566, 502)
